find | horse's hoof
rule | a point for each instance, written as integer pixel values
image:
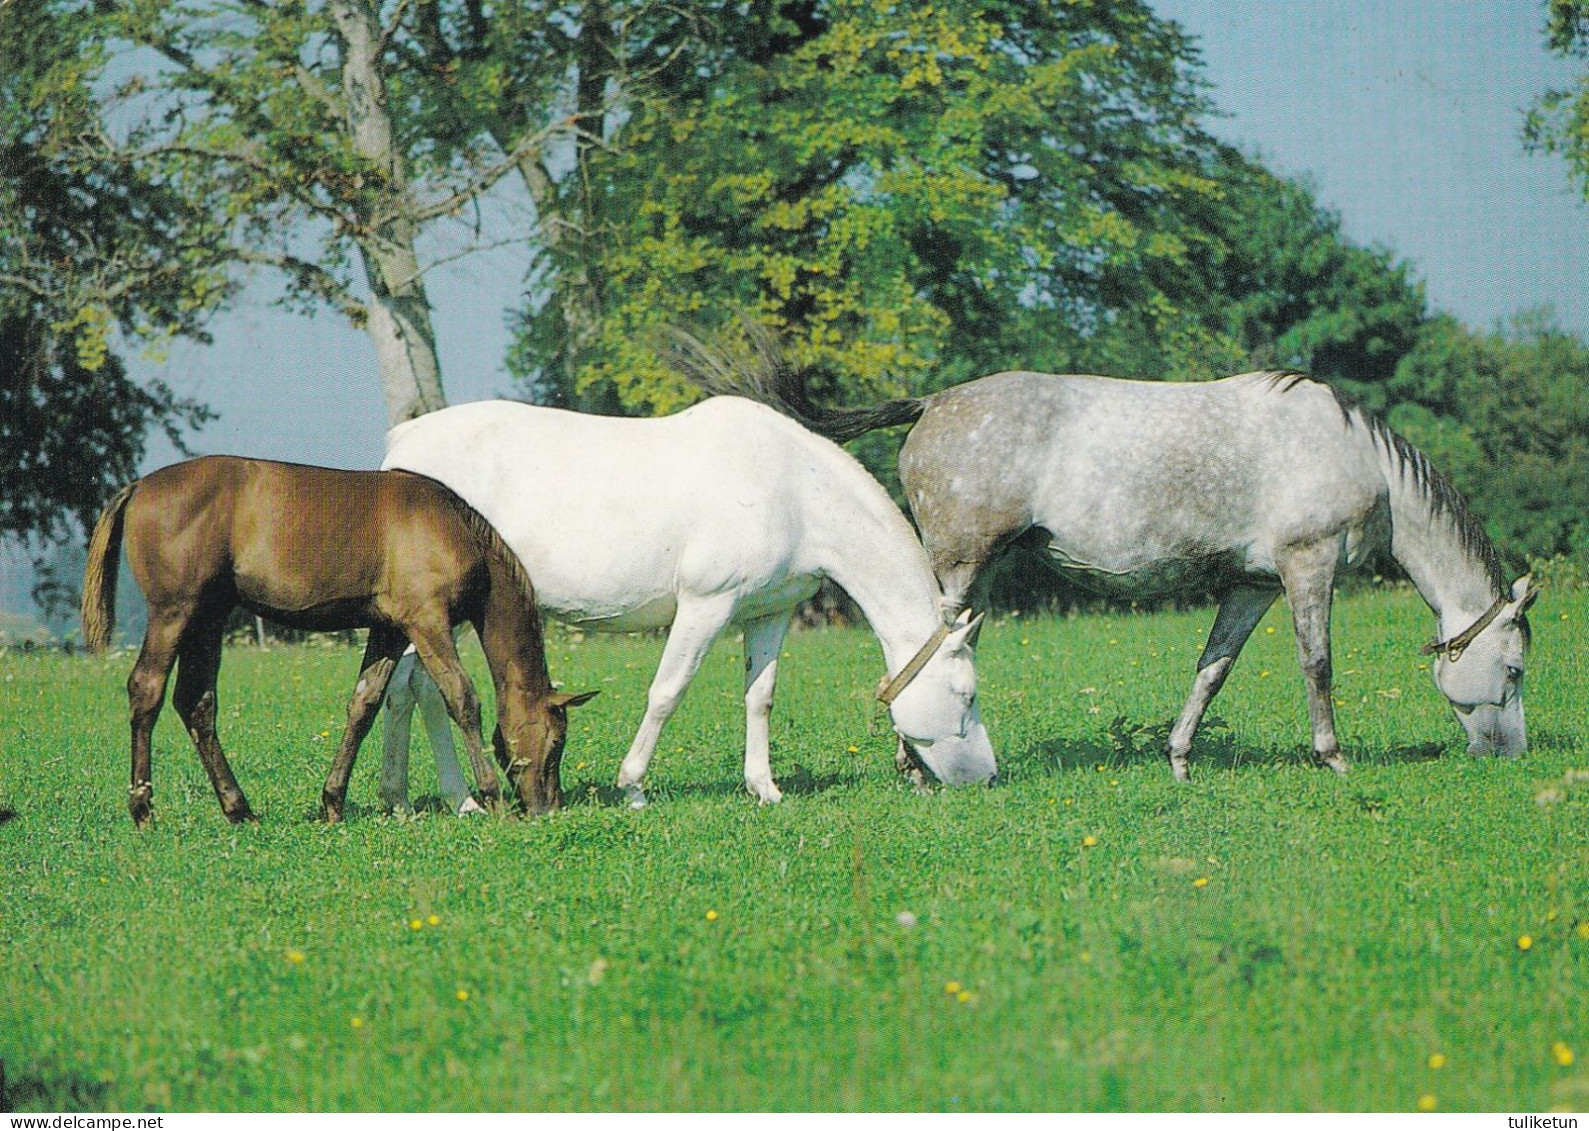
(1334, 762)
(766, 793)
(1181, 769)
(636, 796)
(470, 808)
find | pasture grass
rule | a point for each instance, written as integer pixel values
(1087, 935)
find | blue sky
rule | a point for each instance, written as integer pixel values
(1405, 117)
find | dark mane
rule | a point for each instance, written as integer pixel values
(1413, 466)
(487, 536)
(1443, 498)
(489, 540)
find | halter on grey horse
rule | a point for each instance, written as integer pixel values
(1236, 488)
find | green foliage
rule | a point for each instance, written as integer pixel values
(1349, 929)
(71, 434)
(1506, 415)
(914, 199)
(1291, 291)
(86, 250)
(1559, 122)
(912, 195)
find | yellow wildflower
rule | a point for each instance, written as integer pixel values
(1089, 841)
(296, 957)
(1200, 882)
(1427, 1102)
(952, 988)
(434, 920)
(711, 916)
(1437, 1061)
(1524, 942)
(1561, 1053)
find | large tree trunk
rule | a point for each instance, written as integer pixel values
(569, 216)
(399, 311)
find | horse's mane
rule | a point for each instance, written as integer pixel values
(1412, 466)
(487, 537)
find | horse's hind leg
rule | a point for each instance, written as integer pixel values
(440, 657)
(1239, 614)
(381, 653)
(397, 712)
(1309, 576)
(964, 585)
(763, 638)
(146, 691)
(199, 665)
(449, 774)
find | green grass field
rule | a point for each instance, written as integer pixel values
(1086, 935)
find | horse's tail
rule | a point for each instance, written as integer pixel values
(758, 371)
(99, 578)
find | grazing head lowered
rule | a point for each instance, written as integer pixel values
(1481, 673)
(935, 710)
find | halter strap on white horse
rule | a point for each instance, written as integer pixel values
(1458, 644)
(889, 689)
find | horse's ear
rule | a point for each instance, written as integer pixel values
(1524, 592)
(967, 629)
(565, 699)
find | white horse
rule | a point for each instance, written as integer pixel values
(726, 513)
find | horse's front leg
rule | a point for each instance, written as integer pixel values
(1308, 573)
(695, 627)
(763, 639)
(1239, 614)
(381, 653)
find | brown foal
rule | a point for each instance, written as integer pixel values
(319, 549)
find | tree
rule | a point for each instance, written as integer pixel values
(912, 194)
(84, 250)
(1559, 123)
(915, 197)
(1506, 415)
(322, 140)
(1287, 288)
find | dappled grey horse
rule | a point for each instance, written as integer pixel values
(1236, 488)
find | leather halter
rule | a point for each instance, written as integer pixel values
(1458, 644)
(888, 689)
